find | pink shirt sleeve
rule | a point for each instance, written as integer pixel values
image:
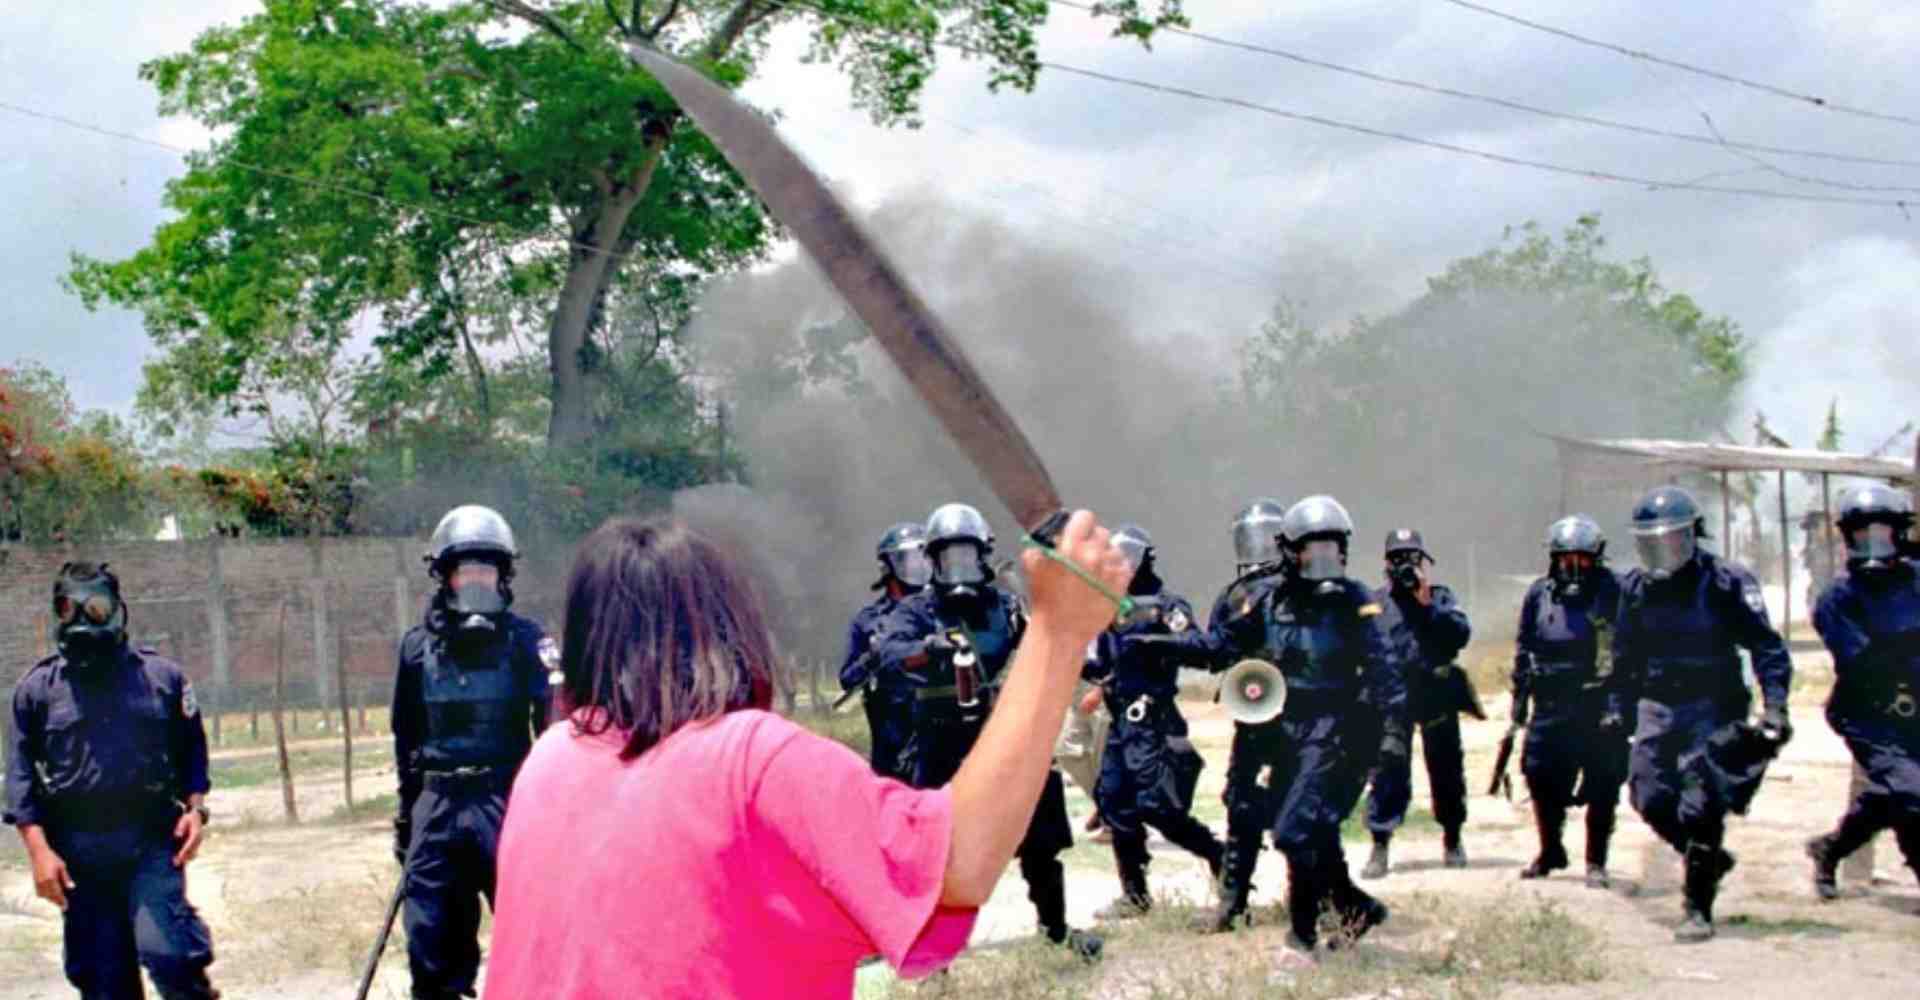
(878, 847)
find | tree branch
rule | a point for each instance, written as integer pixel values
(659, 23)
(614, 15)
(737, 22)
(536, 17)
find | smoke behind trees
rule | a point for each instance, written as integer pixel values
(1430, 417)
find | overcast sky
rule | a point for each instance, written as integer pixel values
(1219, 210)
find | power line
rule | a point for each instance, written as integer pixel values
(1650, 183)
(1766, 88)
(1511, 105)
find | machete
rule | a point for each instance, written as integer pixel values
(878, 293)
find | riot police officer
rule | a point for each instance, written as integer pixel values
(1568, 697)
(1685, 615)
(469, 698)
(1345, 704)
(1259, 562)
(1870, 621)
(886, 697)
(1424, 623)
(1150, 769)
(951, 641)
(107, 782)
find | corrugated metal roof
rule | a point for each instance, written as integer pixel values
(1743, 458)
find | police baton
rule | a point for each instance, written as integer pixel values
(380, 943)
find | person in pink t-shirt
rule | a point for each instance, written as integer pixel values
(673, 838)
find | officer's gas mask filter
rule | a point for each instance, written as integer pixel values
(1404, 569)
(1872, 546)
(910, 566)
(476, 597)
(1570, 571)
(90, 620)
(1321, 558)
(960, 568)
(1664, 549)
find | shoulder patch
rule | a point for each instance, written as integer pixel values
(1178, 621)
(1369, 609)
(549, 652)
(189, 702)
(1755, 601)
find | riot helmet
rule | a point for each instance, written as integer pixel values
(1136, 546)
(471, 555)
(958, 543)
(1666, 528)
(1874, 520)
(1316, 532)
(903, 556)
(90, 619)
(1575, 547)
(1256, 535)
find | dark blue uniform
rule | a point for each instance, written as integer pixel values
(1563, 668)
(1344, 688)
(888, 698)
(1148, 773)
(1677, 649)
(1256, 747)
(463, 720)
(1871, 624)
(103, 758)
(1426, 639)
(944, 731)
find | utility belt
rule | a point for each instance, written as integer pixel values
(1898, 701)
(1144, 710)
(1694, 681)
(1319, 701)
(101, 812)
(467, 779)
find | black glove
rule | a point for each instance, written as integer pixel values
(1393, 746)
(1774, 725)
(402, 838)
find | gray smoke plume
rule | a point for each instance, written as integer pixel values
(1430, 418)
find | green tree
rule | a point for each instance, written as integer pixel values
(480, 169)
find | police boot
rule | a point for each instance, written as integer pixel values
(1599, 835)
(1455, 856)
(1304, 897)
(1358, 911)
(1135, 899)
(1548, 821)
(1826, 866)
(1236, 880)
(1085, 944)
(1706, 866)
(1377, 863)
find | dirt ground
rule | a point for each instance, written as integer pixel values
(293, 909)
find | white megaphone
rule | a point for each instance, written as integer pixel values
(1254, 691)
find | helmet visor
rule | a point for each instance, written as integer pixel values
(911, 566)
(1256, 542)
(958, 564)
(1132, 548)
(1663, 550)
(1320, 559)
(1874, 542)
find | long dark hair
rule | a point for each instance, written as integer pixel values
(662, 629)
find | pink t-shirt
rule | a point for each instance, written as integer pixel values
(744, 857)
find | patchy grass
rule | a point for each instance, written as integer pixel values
(236, 727)
(1440, 948)
(247, 772)
(1747, 925)
(328, 927)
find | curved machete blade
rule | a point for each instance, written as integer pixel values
(911, 334)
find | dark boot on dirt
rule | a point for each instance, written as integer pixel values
(1454, 856)
(1236, 881)
(1358, 911)
(1085, 944)
(1548, 821)
(1706, 865)
(1599, 836)
(1826, 866)
(1135, 899)
(1379, 862)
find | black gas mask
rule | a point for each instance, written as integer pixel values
(90, 619)
(1568, 575)
(1403, 569)
(960, 570)
(475, 597)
